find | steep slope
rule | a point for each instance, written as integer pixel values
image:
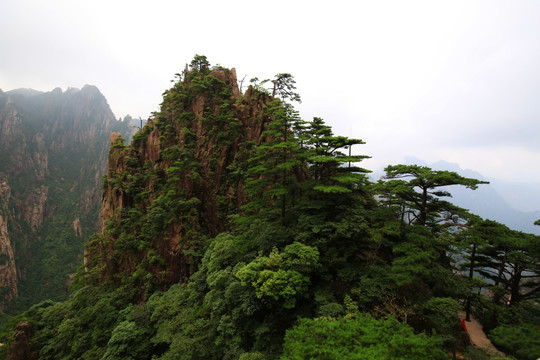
(54, 150)
(179, 180)
(8, 271)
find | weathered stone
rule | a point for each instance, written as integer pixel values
(8, 271)
(247, 109)
(52, 144)
(114, 137)
(21, 347)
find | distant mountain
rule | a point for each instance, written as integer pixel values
(521, 196)
(24, 92)
(492, 201)
(54, 148)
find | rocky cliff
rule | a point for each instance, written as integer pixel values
(54, 152)
(8, 271)
(179, 179)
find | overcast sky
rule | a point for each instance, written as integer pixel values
(452, 80)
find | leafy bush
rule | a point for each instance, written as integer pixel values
(359, 337)
(522, 340)
(281, 276)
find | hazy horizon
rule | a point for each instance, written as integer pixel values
(456, 81)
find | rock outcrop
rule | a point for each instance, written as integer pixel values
(8, 271)
(21, 347)
(176, 181)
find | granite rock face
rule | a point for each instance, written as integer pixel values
(178, 176)
(54, 153)
(21, 347)
(8, 271)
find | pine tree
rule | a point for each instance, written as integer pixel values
(416, 190)
(275, 167)
(329, 167)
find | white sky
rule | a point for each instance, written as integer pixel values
(452, 80)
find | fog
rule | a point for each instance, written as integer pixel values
(456, 80)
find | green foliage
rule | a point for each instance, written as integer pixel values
(328, 165)
(274, 165)
(360, 337)
(283, 86)
(118, 143)
(199, 63)
(252, 356)
(129, 339)
(442, 314)
(521, 340)
(77, 328)
(415, 258)
(420, 266)
(281, 276)
(506, 260)
(415, 191)
(474, 353)
(182, 327)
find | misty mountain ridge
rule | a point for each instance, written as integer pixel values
(54, 152)
(24, 92)
(28, 92)
(516, 205)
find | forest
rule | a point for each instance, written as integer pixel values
(234, 229)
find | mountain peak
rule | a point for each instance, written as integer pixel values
(91, 92)
(24, 92)
(91, 89)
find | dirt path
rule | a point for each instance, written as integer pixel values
(478, 337)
